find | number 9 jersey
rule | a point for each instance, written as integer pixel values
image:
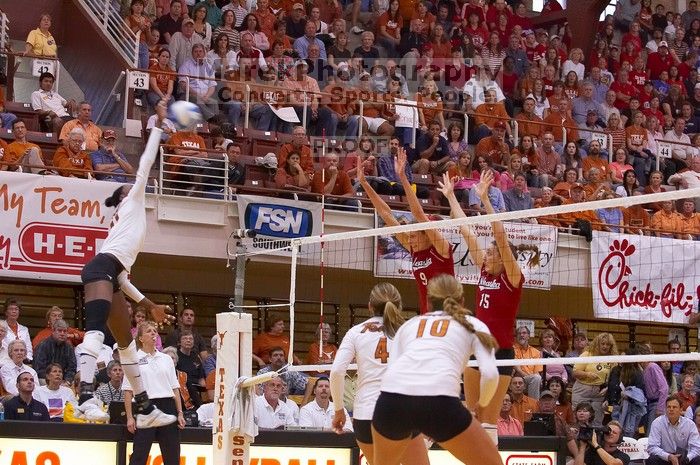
(429, 355)
(367, 344)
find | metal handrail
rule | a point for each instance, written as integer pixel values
(197, 182)
(107, 17)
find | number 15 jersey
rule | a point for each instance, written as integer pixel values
(497, 303)
(367, 344)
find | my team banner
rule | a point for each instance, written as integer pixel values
(277, 221)
(643, 278)
(394, 261)
(50, 226)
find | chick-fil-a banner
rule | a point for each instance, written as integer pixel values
(50, 226)
(643, 278)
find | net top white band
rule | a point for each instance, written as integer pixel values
(692, 356)
(506, 216)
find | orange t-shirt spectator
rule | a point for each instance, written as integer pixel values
(71, 160)
(337, 181)
(191, 143)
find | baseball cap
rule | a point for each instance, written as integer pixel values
(663, 43)
(109, 134)
(499, 125)
(591, 112)
(297, 6)
(554, 37)
(426, 47)
(576, 185)
(546, 393)
(528, 32)
(188, 20)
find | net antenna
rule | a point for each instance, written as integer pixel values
(321, 269)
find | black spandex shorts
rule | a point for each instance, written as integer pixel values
(441, 418)
(505, 354)
(103, 267)
(363, 431)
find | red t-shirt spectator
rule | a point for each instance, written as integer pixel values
(536, 53)
(493, 14)
(657, 63)
(638, 78)
(480, 36)
(636, 40)
(468, 9)
(627, 89)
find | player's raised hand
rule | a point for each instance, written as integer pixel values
(161, 314)
(400, 162)
(482, 188)
(446, 186)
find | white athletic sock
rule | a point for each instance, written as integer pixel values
(90, 349)
(492, 431)
(130, 365)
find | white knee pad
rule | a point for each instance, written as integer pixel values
(92, 343)
(129, 355)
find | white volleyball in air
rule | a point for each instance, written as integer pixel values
(185, 114)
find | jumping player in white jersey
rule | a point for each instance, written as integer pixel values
(106, 281)
(369, 344)
(420, 390)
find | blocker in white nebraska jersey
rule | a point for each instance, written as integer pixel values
(367, 344)
(429, 354)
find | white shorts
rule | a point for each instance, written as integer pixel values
(374, 123)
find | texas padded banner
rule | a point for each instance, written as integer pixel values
(643, 278)
(392, 260)
(50, 226)
(277, 221)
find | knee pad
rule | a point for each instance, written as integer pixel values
(92, 343)
(96, 313)
(128, 355)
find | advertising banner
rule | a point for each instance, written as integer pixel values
(392, 260)
(277, 221)
(51, 226)
(644, 278)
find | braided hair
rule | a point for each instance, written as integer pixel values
(444, 291)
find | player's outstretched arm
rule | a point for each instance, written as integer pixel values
(446, 186)
(383, 210)
(441, 244)
(159, 313)
(499, 233)
(148, 157)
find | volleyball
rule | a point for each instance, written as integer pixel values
(185, 114)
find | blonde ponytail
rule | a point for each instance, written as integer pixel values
(446, 292)
(385, 301)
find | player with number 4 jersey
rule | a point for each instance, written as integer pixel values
(369, 344)
(431, 252)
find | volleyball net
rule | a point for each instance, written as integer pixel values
(601, 258)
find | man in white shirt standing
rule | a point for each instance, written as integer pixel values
(689, 179)
(270, 412)
(319, 412)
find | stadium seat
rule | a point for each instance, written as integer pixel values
(24, 112)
